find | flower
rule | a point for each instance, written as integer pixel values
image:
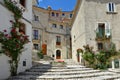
(6, 35)
(7, 41)
(5, 30)
(60, 61)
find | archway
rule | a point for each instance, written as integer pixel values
(58, 54)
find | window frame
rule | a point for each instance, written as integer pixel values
(58, 40)
(111, 7)
(54, 25)
(71, 15)
(101, 47)
(36, 46)
(22, 28)
(63, 14)
(36, 18)
(61, 26)
(35, 34)
(57, 14)
(52, 14)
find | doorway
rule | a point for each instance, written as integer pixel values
(58, 54)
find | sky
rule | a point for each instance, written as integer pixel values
(65, 5)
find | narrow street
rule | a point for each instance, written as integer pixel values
(71, 71)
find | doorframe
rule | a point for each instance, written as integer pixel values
(55, 53)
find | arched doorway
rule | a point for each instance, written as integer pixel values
(58, 54)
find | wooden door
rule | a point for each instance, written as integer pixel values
(58, 54)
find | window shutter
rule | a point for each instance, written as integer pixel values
(107, 5)
(107, 29)
(114, 7)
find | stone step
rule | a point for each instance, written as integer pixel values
(55, 67)
(61, 73)
(109, 74)
(45, 71)
(59, 70)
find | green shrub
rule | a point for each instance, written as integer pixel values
(100, 60)
(40, 55)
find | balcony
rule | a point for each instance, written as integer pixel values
(17, 4)
(102, 36)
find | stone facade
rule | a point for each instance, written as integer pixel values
(5, 17)
(52, 31)
(90, 17)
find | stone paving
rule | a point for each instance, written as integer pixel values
(45, 71)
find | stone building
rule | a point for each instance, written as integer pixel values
(97, 23)
(51, 32)
(5, 17)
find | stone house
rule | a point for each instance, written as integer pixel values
(51, 32)
(5, 17)
(96, 23)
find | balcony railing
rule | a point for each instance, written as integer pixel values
(103, 35)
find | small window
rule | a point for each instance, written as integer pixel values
(57, 14)
(24, 63)
(58, 40)
(53, 14)
(61, 26)
(74, 36)
(35, 34)
(71, 15)
(111, 7)
(63, 14)
(36, 46)
(22, 2)
(100, 46)
(22, 28)
(36, 18)
(54, 25)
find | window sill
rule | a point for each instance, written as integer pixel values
(111, 12)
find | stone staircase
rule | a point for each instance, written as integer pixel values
(72, 71)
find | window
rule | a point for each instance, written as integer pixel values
(57, 14)
(101, 30)
(71, 15)
(53, 14)
(74, 36)
(35, 34)
(100, 46)
(22, 2)
(24, 63)
(61, 26)
(111, 7)
(63, 14)
(54, 25)
(58, 40)
(36, 46)
(36, 18)
(22, 28)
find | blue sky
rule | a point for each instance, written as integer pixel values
(65, 5)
